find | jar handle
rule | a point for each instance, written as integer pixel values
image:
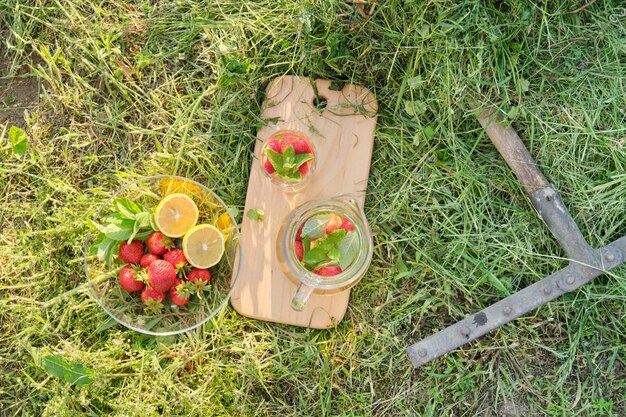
(301, 297)
(350, 198)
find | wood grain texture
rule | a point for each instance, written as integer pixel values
(343, 136)
(512, 150)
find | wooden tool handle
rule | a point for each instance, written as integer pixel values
(512, 150)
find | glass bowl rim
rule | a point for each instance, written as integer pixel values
(236, 265)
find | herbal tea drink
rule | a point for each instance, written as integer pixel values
(325, 247)
(288, 159)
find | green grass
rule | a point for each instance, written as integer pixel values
(445, 210)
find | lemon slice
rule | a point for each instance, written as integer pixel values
(225, 224)
(203, 245)
(175, 215)
(169, 186)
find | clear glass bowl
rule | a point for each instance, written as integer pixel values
(287, 184)
(127, 308)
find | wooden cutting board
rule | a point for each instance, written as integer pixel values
(340, 124)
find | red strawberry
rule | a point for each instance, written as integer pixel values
(299, 250)
(161, 275)
(334, 223)
(176, 257)
(132, 252)
(328, 271)
(158, 243)
(299, 145)
(151, 295)
(274, 145)
(175, 295)
(347, 225)
(268, 167)
(199, 275)
(128, 282)
(147, 259)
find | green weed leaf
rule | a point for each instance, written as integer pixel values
(429, 132)
(73, 373)
(19, 141)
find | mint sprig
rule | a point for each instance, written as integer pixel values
(129, 221)
(288, 163)
(326, 251)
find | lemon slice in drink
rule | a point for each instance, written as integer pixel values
(203, 246)
(175, 215)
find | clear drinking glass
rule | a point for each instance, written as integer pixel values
(308, 281)
(278, 142)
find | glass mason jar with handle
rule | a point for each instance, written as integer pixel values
(325, 247)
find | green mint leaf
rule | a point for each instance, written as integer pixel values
(115, 218)
(121, 231)
(349, 249)
(97, 226)
(295, 176)
(336, 237)
(306, 245)
(332, 240)
(302, 158)
(103, 248)
(334, 254)
(73, 373)
(289, 161)
(276, 159)
(126, 208)
(19, 141)
(315, 227)
(289, 153)
(255, 214)
(314, 257)
(143, 219)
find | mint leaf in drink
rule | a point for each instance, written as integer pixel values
(306, 245)
(289, 159)
(302, 158)
(315, 227)
(314, 257)
(334, 254)
(276, 159)
(349, 249)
